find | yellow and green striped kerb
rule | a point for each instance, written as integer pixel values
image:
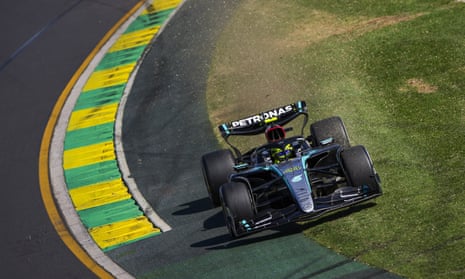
(99, 194)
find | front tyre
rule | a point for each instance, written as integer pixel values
(216, 168)
(359, 169)
(237, 203)
(332, 127)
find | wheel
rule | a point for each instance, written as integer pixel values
(237, 203)
(359, 168)
(332, 127)
(216, 168)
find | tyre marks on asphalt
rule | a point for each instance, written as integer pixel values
(95, 184)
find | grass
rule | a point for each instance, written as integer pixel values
(395, 72)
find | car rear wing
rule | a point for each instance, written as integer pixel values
(256, 124)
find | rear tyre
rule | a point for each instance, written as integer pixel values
(359, 169)
(332, 127)
(237, 203)
(216, 168)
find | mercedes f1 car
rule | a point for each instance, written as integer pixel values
(287, 179)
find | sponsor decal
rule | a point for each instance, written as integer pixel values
(292, 169)
(262, 117)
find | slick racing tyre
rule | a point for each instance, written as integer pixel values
(332, 127)
(237, 203)
(359, 168)
(216, 168)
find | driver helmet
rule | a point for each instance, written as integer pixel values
(281, 154)
(275, 133)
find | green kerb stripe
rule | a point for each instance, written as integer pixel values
(88, 136)
(110, 213)
(121, 57)
(100, 97)
(109, 219)
(149, 20)
(92, 174)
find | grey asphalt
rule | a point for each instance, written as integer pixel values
(42, 44)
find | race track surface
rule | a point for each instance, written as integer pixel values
(165, 131)
(43, 43)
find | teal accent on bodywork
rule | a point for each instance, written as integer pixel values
(303, 159)
(299, 105)
(326, 141)
(241, 166)
(225, 129)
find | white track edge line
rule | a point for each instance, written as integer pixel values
(57, 180)
(120, 155)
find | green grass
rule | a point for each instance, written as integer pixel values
(395, 72)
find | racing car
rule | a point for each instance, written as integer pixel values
(287, 179)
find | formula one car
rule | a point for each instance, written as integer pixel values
(287, 179)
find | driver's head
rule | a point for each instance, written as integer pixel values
(280, 154)
(275, 133)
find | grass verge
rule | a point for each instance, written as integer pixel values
(395, 72)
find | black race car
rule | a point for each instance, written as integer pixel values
(287, 179)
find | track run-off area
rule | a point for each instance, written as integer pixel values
(120, 160)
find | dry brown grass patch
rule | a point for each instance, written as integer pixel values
(249, 65)
(420, 86)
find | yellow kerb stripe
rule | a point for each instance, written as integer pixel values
(85, 118)
(158, 6)
(99, 194)
(135, 39)
(109, 77)
(123, 231)
(87, 155)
